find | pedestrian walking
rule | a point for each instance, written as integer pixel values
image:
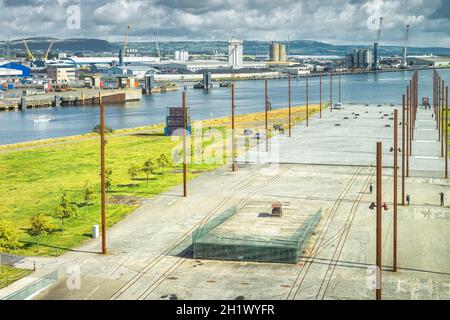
(442, 198)
(408, 199)
(371, 188)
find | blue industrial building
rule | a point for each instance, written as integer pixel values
(17, 66)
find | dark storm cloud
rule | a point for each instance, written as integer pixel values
(338, 21)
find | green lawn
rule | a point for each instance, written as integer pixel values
(34, 176)
(33, 181)
(9, 275)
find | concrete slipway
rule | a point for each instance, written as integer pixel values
(327, 165)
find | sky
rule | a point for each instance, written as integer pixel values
(333, 21)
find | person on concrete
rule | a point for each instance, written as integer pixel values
(408, 199)
(371, 188)
(442, 198)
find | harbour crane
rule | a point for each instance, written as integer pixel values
(376, 62)
(30, 56)
(123, 51)
(45, 57)
(404, 64)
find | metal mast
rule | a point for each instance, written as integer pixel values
(123, 52)
(158, 51)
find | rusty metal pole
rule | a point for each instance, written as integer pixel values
(438, 108)
(290, 112)
(379, 219)
(436, 97)
(331, 91)
(266, 115)
(446, 132)
(307, 101)
(395, 187)
(416, 104)
(413, 115)
(442, 121)
(434, 91)
(410, 106)
(103, 170)
(408, 95)
(416, 101)
(233, 129)
(184, 147)
(403, 149)
(438, 101)
(320, 95)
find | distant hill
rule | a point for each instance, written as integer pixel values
(298, 47)
(67, 45)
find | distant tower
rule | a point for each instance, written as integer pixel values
(236, 54)
(376, 45)
(405, 49)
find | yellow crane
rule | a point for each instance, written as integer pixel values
(45, 57)
(125, 46)
(30, 56)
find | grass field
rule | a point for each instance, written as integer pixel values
(34, 176)
(9, 275)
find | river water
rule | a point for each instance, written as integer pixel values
(67, 121)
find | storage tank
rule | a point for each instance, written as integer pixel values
(275, 52)
(282, 54)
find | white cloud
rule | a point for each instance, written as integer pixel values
(339, 21)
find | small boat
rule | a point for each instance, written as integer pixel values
(42, 119)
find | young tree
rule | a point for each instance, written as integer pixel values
(149, 168)
(177, 157)
(40, 225)
(88, 196)
(164, 161)
(65, 210)
(9, 237)
(98, 129)
(133, 171)
(108, 179)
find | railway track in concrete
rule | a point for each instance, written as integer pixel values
(299, 280)
(183, 259)
(341, 240)
(174, 266)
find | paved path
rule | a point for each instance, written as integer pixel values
(426, 146)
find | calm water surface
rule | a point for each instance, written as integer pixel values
(66, 121)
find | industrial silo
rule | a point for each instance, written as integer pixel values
(282, 54)
(275, 52)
